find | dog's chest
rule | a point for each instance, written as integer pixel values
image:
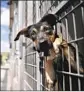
(49, 71)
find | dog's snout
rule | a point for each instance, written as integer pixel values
(42, 37)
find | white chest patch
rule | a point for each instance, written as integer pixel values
(56, 44)
(50, 73)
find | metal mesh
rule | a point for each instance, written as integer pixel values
(71, 17)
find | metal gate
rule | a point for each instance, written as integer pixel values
(71, 17)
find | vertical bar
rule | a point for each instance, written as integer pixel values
(58, 2)
(77, 56)
(26, 3)
(33, 69)
(82, 10)
(25, 67)
(43, 75)
(38, 72)
(34, 21)
(66, 20)
(35, 72)
(40, 9)
(22, 40)
(26, 38)
(41, 82)
(63, 70)
(62, 63)
(45, 60)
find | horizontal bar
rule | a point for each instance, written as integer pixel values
(30, 76)
(58, 7)
(72, 74)
(73, 41)
(4, 68)
(42, 68)
(31, 53)
(30, 65)
(49, 8)
(79, 39)
(71, 11)
(29, 44)
(61, 5)
(28, 85)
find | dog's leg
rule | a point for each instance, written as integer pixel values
(50, 87)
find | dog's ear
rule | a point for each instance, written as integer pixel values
(50, 19)
(24, 31)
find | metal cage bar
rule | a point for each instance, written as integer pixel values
(59, 6)
(28, 85)
(31, 65)
(35, 65)
(70, 80)
(45, 87)
(63, 70)
(30, 76)
(77, 56)
(82, 10)
(34, 68)
(71, 74)
(71, 11)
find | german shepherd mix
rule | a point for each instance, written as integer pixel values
(54, 47)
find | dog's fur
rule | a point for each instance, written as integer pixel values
(42, 34)
(47, 21)
(63, 45)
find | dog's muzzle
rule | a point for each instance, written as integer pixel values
(42, 37)
(43, 47)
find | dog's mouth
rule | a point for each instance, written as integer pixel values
(44, 47)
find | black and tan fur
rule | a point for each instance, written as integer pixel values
(41, 33)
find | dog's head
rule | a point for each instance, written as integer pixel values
(41, 33)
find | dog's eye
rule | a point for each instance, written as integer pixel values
(44, 27)
(34, 30)
(49, 32)
(33, 34)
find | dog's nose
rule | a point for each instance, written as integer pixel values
(41, 37)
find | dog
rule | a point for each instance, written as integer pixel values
(46, 40)
(39, 34)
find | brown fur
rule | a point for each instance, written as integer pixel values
(50, 21)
